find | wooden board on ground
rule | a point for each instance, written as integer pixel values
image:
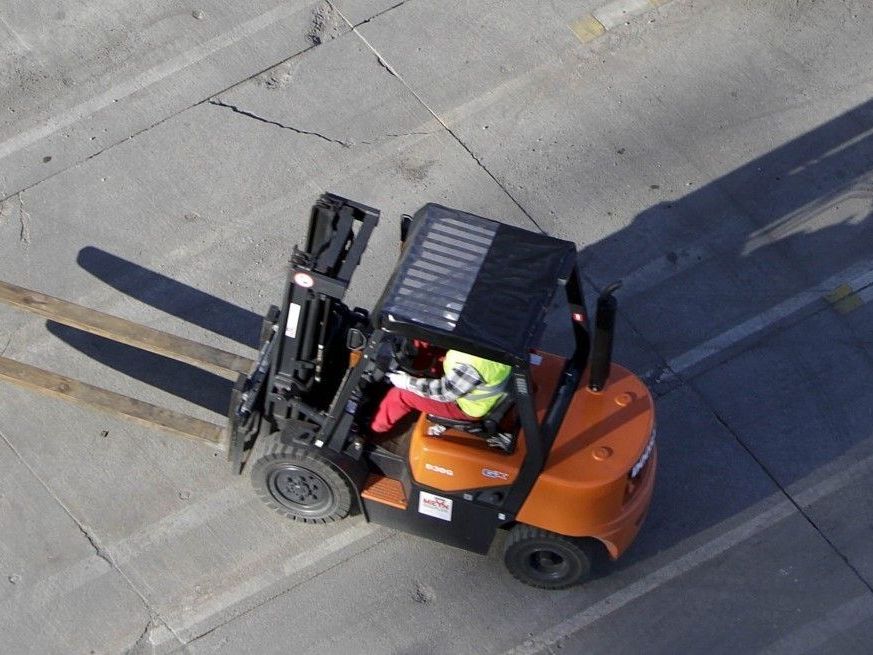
(131, 409)
(217, 361)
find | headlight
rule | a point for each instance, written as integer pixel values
(641, 462)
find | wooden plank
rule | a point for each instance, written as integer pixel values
(206, 357)
(126, 407)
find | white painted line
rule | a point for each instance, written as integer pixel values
(665, 574)
(186, 623)
(181, 522)
(146, 78)
(23, 45)
(865, 294)
(174, 526)
(856, 276)
(134, 545)
(700, 555)
(816, 634)
(662, 269)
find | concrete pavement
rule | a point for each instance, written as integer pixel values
(714, 155)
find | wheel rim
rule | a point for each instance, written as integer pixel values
(299, 489)
(547, 565)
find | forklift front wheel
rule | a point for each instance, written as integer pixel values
(545, 559)
(301, 485)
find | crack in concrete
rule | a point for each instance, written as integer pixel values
(374, 16)
(261, 119)
(141, 645)
(101, 552)
(384, 64)
(197, 103)
(410, 134)
(24, 220)
(5, 209)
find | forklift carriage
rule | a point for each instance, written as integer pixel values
(565, 463)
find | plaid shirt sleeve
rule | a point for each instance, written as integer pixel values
(458, 382)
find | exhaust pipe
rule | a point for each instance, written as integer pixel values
(604, 330)
(405, 224)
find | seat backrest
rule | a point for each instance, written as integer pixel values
(492, 419)
(489, 424)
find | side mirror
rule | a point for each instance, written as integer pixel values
(355, 339)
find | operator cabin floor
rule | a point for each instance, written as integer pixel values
(397, 438)
(381, 488)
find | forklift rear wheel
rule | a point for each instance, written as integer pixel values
(301, 485)
(545, 559)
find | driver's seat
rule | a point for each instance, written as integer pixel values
(488, 427)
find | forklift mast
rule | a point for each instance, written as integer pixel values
(303, 355)
(312, 316)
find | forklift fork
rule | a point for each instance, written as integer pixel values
(214, 360)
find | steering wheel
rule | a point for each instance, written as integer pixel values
(405, 352)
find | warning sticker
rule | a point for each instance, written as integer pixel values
(293, 317)
(436, 506)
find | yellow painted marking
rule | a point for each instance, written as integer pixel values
(658, 3)
(587, 29)
(844, 299)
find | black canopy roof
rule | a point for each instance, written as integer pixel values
(473, 283)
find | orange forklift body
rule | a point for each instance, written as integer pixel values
(585, 488)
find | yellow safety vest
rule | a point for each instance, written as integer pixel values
(485, 396)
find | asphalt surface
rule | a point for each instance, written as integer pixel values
(159, 163)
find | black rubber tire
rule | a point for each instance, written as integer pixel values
(300, 484)
(545, 559)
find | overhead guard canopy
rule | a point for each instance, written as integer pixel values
(473, 283)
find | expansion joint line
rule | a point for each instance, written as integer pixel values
(99, 551)
(384, 64)
(789, 497)
(6, 196)
(248, 114)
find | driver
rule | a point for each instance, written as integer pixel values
(469, 388)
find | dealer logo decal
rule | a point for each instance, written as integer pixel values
(435, 506)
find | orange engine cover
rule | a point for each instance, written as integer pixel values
(457, 461)
(585, 488)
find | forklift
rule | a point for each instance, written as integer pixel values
(564, 462)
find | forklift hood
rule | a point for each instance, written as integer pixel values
(474, 284)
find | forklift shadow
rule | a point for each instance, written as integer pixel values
(734, 245)
(796, 218)
(173, 297)
(182, 380)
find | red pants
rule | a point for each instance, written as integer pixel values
(397, 403)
